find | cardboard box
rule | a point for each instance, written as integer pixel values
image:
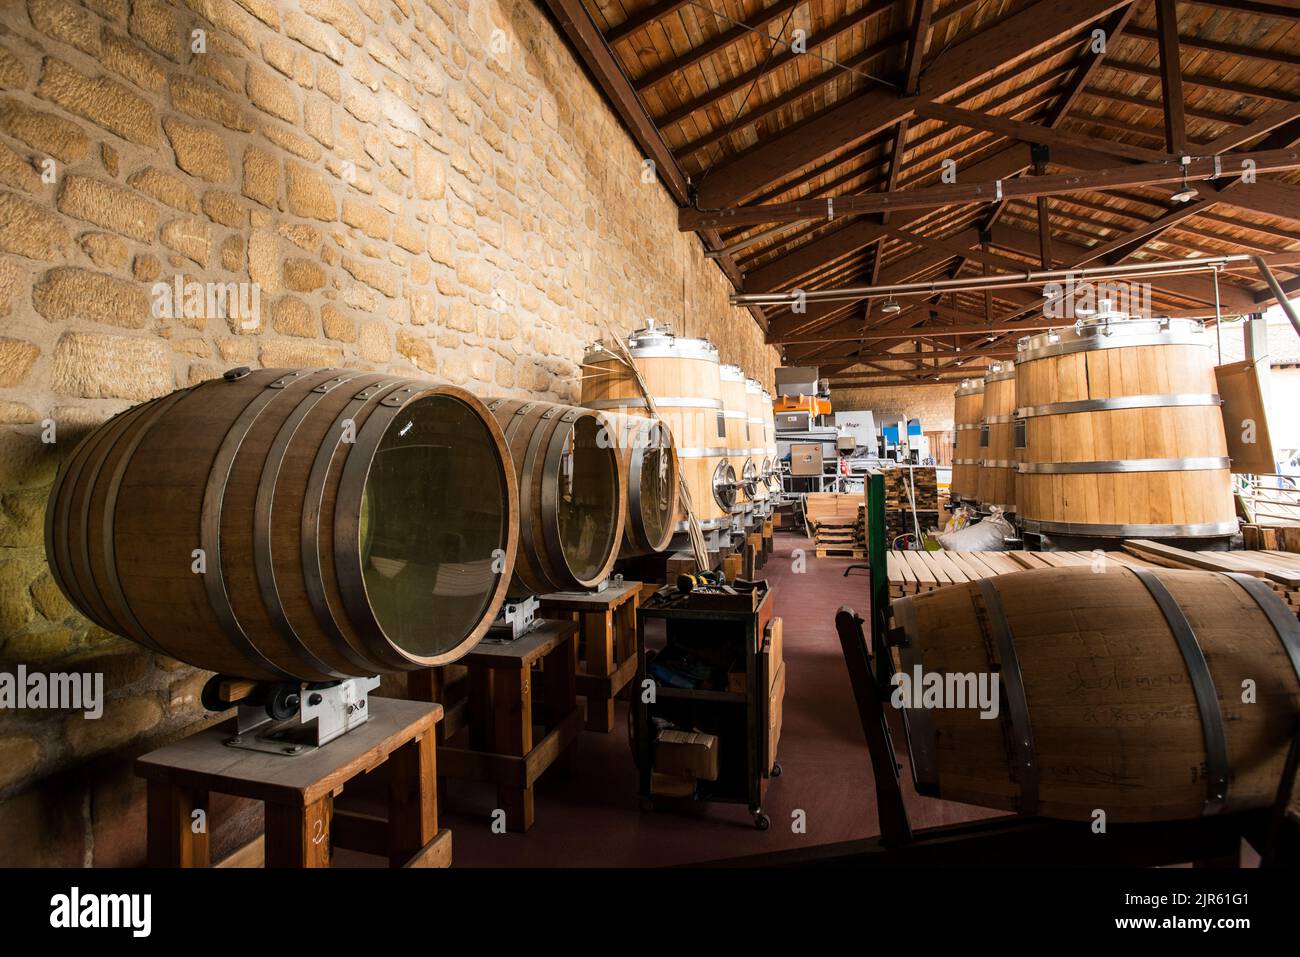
(806, 459)
(687, 754)
(775, 713)
(671, 785)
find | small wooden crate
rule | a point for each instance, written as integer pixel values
(608, 622)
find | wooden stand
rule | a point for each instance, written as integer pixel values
(299, 792)
(501, 715)
(608, 622)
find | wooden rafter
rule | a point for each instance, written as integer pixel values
(1171, 77)
(995, 48)
(1025, 187)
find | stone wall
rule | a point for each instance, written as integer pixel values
(428, 187)
(932, 404)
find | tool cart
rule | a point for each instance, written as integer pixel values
(716, 672)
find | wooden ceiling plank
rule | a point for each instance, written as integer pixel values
(1000, 45)
(742, 81)
(638, 21)
(1283, 57)
(720, 42)
(1255, 128)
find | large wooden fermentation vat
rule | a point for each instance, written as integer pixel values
(1123, 434)
(572, 494)
(758, 466)
(735, 407)
(291, 524)
(683, 377)
(968, 409)
(1121, 691)
(650, 461)
(772, 465)
(998, 456)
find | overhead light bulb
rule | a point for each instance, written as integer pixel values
(1187, 193)
(890, 307)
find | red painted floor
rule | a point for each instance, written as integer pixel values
(590, 817)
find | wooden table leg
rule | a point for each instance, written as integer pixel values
(625, 628)
(512, 690)
(299, 836)
(176, 836)
(412, 801)
(598, 633)
(560, 675)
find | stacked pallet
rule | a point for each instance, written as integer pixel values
(1272, 537)
(1281, 570)
(907, 487)
(924, 489)
(911, 573)
(838, 524)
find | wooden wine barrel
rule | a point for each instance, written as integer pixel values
(969, 408)
(291, 524)
(572, 495)
(754, 474)
(1123, 434)
(735, 408)
(650, 461)
(1121, 690)
(683, 377)
(772, 466)
(998, 456)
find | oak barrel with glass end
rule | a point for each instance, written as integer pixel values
(280, 524)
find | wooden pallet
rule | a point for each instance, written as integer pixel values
(1281, 570)
(911, 573)
(835, 551)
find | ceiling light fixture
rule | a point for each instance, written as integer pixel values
(890, 307)
(1188, 192)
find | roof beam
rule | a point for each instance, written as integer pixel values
(854, 21)
(1025, 187)
(1278, 10)
(595, 52)
(1000, 46)
(723, 40)
(1284, 57)
(1171, 76)
(1193, 79)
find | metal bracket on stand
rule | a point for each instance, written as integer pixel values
(516, 619)
(298, 718)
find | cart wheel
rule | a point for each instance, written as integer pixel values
(761, 821)
(647, 805)
(776, 769)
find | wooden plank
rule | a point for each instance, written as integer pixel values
(1013, 38)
